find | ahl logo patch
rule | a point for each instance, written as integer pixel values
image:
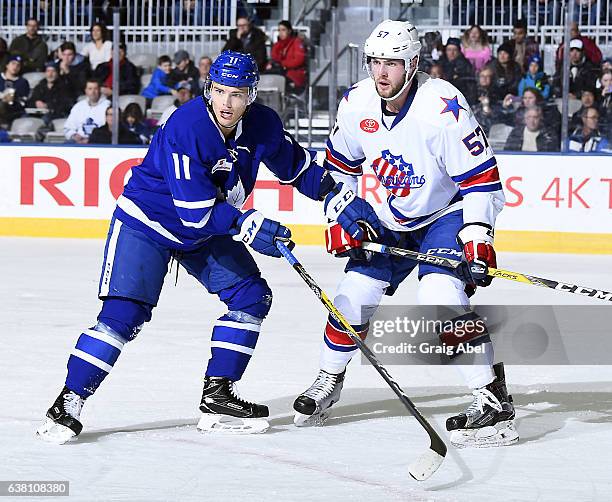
(396, 175)
(369, 125)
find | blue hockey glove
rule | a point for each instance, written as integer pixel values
(343, 206)
(260, 233)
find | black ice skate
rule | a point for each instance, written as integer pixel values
(489, 420)
(62, 422)
(224, 411)
(313, 406)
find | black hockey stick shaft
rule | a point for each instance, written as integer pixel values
(436, 444)
(493, 272)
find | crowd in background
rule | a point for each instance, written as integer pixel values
(512, 88)
(507, 88)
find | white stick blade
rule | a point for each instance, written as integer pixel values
(423, 467)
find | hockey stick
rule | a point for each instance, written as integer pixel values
(493, 272)
(429, 461)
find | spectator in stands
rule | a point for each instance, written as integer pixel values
(184, 95)
(457, 69)
(129, 78)
(73, 69)
(133, 121)
(31, 47)
(158, 84)
(203, 69)
(476, 48)
(51, 94)
(605, 96)
(532, 135)
(14, 91)
(86, 114)
(184, 71)
(487, 107)
(521, 46)
(535, 78)
(104, 134)
(506, 72)
(4, 54)
(588, 138)
(513, 115)
(99, 50)
(289, 58)
(606, 64)
(248, 39)
(436, 71)
(591, 51)
(583, 73)
(587, 100)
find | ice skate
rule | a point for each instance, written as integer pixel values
(489, 420)
(223, 411)
(313, 406)
(62, 422)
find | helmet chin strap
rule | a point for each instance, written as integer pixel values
(407, 82)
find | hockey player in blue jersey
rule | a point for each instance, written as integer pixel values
(183, 203)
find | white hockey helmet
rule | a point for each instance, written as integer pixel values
(393, 40)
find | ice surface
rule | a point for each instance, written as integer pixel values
(140, 441)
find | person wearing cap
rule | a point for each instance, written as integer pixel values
(31, 47)
(535, 78)
(248, 39)
(129, 80)
(14, 91)
(522, 47)
(582, 73)
(184, 93)
(457, 69)
(507, 73)
(589, 47)
(184, 71)
(52, 95)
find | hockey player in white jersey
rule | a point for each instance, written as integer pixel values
(441, 194)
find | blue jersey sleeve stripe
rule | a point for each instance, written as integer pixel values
(481, 188)
(337, 155)
(478, 169)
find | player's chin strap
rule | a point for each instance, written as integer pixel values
(408, 80)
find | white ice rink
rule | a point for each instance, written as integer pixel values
(140, 442)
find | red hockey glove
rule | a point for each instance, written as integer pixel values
(476, 239)
(339, 243)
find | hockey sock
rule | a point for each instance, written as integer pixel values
(338, 348)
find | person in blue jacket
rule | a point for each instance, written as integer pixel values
(157, 86)
(183, 203)
(535, 78)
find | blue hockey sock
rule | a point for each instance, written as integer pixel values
(94, 355)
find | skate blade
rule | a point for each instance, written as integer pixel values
(314, 420)
(500, 434)
(226, 424)
(52, 432)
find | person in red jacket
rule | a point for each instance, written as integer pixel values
(591, 51)
(290, 54)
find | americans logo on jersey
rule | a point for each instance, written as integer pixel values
(395, 174)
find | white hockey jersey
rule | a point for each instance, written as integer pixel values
(432, 158)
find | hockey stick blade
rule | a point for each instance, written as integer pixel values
(430, 461)
(532, 280)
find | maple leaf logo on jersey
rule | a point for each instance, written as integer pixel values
(395, 174)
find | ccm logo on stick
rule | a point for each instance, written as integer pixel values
(369, 125)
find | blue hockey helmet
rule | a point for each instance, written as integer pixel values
(236, 70)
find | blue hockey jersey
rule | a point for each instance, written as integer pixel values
(193, 181)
